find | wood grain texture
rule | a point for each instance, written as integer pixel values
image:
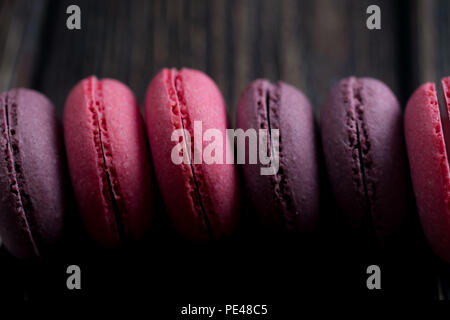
(21, 24)
(308, 44)
(429, 34)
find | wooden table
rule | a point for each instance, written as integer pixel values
(310, 44)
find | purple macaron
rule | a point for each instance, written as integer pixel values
(32, 178)
(288, 200)
(362, 136)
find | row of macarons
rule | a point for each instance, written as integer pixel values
(112, 154)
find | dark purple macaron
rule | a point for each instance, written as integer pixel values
(287, 201)
(362, 136)
(31, 173)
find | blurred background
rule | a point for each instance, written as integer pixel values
(309, 44)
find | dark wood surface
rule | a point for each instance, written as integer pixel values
(309, 44)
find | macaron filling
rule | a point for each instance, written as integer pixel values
(18, 191)
(107, 173)
(359, 143)
(268, 110)
(193, 173)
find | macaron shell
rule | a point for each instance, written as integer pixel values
(377, 184)
(127, 159)
(339, 140)
(84, 167)
(299, 157)
(298, 170)
(40, 166)
(173, 185)
(215, 185)
(14, 227)
(429, 166)
(220, 181)
(130, 156)
(259, 188)
(385, 162)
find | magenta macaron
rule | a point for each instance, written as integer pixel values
(33, 175)
(109, 162)
(363, 142)
(201, 198)
(427, 139)
(287, 200)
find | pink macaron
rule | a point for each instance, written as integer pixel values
(109, 161)
(427, 131)
(201, 198)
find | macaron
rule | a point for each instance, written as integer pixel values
(32, 174)
(201, 197)
(109, 161)
(286, 200)
(427, 140)
(363, 145)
